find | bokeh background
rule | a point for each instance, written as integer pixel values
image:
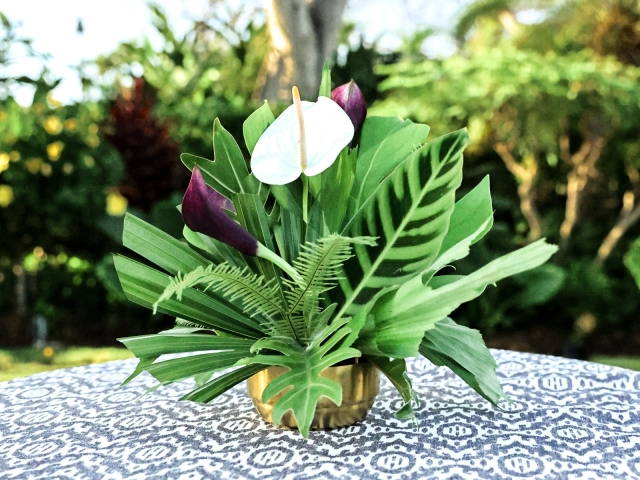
(98, 99)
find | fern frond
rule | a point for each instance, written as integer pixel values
(319, 265)
(257, 296)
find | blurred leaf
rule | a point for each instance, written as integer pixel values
(540, 284)
(632, 260)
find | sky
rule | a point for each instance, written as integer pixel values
(53, 27)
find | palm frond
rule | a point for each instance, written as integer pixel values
(319, 265)
(257, 296)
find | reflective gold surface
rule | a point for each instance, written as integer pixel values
(360, 385)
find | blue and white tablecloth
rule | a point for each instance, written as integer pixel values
(569, 419)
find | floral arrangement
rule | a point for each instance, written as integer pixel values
(327, 249)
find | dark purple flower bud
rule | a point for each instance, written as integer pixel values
(203, 210)
(350, 98)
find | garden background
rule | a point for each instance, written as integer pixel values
(548, 90)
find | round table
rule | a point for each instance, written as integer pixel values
(569, 419)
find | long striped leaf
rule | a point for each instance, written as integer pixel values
(185, 367)
(144, 285)
(409, 213)
(221, 384)
(159, 247)
(155, 345)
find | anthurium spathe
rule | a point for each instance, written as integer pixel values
(306, 138)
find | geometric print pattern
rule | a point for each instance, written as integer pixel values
(569, 419)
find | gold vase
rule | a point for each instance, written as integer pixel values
(360, 384)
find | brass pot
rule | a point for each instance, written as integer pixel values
(360, 384)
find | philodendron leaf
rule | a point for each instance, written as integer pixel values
(463, 351)
(228, 173)
(409, 212)
(305, 368)
(396, 371)
(255, 125)
(402, 316)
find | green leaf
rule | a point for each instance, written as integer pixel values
(257, 296)
(291, 235)
(253, 217)
(221, 252)
(471, 219)
(316, 228)
(180, 368)
(463, 351)
(540, 285)
(325, 83)
(409, 212)
(159, 247)
(142, 365)
(337, 181)
(255, 125)
(396, 140)
(228, 174)
(632, 260)
(396, 371)
(143, 285)
(305, 368)
(319, 265)
(156, 345)
(221, 384)
(289, 197)
(402, 316)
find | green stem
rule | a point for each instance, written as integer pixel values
(264, 252)
(305, 197)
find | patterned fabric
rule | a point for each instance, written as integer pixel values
(569, 419)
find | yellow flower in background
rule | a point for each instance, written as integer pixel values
(46, 169)
(93, 141)
(14, 156)
(3, 115)
(70, 123)
(54, 150)
(6, 195)
(4, 161)
(89, 161)
(116, 204)
(53, 102)
(67, 168)
(52, 125)
(93, 129)
(34, 164)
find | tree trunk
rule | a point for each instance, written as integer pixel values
(302, 37)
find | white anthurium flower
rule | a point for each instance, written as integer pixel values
(306, 138)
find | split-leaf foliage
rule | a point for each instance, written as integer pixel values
(383, 224)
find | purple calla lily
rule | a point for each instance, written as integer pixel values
(203, 210)
(351, 100)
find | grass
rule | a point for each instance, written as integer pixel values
(632, 363)
(22, 362)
